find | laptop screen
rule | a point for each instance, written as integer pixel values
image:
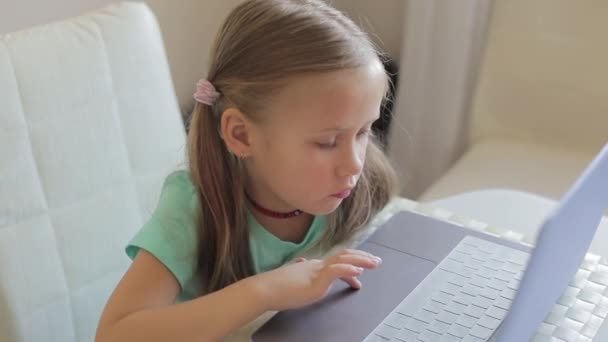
(561, 245)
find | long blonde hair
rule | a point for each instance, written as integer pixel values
(260, 45)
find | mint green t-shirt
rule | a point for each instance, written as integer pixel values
(171, 236)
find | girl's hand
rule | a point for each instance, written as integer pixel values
(307, 281)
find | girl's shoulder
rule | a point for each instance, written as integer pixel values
(178, 195)
(181, 178)
(170, 233)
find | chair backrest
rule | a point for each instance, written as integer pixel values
(89, 128)
(544, 74)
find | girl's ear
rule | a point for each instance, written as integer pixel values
(236, 132)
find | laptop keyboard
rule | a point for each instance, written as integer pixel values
(466, 297)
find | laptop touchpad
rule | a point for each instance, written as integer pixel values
(350, 315)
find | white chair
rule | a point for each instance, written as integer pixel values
(539, 115)
(89, 128)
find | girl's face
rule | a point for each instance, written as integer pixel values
(309, 152)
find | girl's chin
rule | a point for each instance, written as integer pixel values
(326, 208)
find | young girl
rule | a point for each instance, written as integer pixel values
(281, 161)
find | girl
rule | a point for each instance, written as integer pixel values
(281, 161)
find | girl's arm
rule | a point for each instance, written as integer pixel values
(141, 308)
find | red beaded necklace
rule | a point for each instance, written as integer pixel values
(271, 213)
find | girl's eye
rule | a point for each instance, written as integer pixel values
(364, 133)
(331, 144)
(327, 145)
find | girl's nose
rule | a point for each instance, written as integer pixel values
(352, 162)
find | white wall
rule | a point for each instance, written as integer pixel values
(544, 75)
(383, 19)
(188, 27)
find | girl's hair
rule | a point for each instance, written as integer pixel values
(261, 44)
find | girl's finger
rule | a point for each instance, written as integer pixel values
(353, 259)
(356, 251)
(352, 281)
(300, 259)
(335, 271)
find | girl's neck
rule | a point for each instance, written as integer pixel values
(265, 211)
(291, 229)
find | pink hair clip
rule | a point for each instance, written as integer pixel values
(206, 93)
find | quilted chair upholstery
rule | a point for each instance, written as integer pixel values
(89, 128)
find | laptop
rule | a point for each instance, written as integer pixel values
(442, 282)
